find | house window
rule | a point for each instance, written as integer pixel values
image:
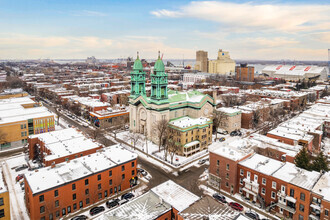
(133, 164)
(87, 201)
(74, 206)
(255, 178)
(99, 186)
(2, 213)
(248, 175)
(301, 217)
(301, 207)
(57, 214)
(56, 193)
(123, 176)
(292, 192)
(263, 181)
(69, 209)
(57, 203)
(41, 199)
(99, 177)
(218, 162)
(273, 195)
(133, 172)
(86, 191)
(242, 172)
(51, 216)
(86, 182)
(74, 196)
(227, 166)
(122, 168)
(110, 182)
(263, 191)
(63, 211)
(73, 186)
(274, 185)
(227, 176)
(42, 209)
(80, 204)
(110, 173)
(326, 212)
(302, 196)
(106, 193)
(100, 195)
(241, 181)
(283, 189)
(227, 185)
(111, 191)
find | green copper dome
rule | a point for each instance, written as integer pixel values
(138, 64)
(159, 65)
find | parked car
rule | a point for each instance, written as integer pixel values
(236, 206)
(19, 177)
(127, 196)
(222, 139)
(219, 197)
(96, 210)
(202, 161)
(252, 215)
(144, 173)
(79, 217)
(221, 131)
(122, 202)
(112, 203)
(22, 167)
(139, 170)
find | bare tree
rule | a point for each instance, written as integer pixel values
(134, 138)
(160, 130)
(94, 133)
(218, 117)
(256, 118)
(173, 147)
(123, 100)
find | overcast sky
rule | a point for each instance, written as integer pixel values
(111, 29)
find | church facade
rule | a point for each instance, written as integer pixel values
(163, 103)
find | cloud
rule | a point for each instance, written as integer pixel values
(323, 37)
(252, 17)
(17, 46)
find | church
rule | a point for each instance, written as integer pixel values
(163, 103)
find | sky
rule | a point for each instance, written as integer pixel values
(76, 29)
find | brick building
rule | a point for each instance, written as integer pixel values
(232, 121)
(60, 146)
(56, 191)
(244, 73)
(192, 134)
(320, 201)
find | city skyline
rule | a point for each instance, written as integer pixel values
(110, 29)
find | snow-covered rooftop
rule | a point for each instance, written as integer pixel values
(229, 110)
(146, 207)
(175, 195)
(3, 186)
(291, 133)
(297, 176)
(262, 164)
(235, 150)
(187, 121)
(66, 172)
(322, 187)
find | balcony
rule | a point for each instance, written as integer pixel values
(287, 208)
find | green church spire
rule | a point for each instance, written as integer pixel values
(138, 77)
(159, 81)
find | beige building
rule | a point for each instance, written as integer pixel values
(233, 120)
(191, 134)
(201, 61)
(223, 64)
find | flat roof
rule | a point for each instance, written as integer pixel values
(297, 176)
(322, 187)
(262, 164)
(78, 168)
(186, 121)
(235, 150)
(3, 185)
(175, 195)
(145, 207)
(291, 133)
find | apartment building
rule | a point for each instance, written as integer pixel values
(192, 134)
(320, 201)
(60, 146)
(244, 73)
(21, 117)
(56, 191)
(232, 121)
(4, 198)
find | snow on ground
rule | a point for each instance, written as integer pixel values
(208, 191)
(17, 204)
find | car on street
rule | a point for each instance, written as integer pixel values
(222, 139)
(252, 215)
(219, 197)
(236, 206)
(96, 210)
(202, 161)
(112, 203)
(127, 196)
(221, 131)
(79, 217)
(122, 202)
(19, 177)
(22, 167)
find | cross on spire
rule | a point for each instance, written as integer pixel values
(137, 55)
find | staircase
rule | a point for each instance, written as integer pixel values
(261, 201)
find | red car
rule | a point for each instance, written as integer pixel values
(236, 206)
(19, 177)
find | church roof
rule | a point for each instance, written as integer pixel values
(159, 65)
(190, 96)
(138, 64)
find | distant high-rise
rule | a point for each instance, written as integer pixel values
(329, 61)
(244, 73)
(201, 61)
(223, 64)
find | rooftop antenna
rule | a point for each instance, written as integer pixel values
(158, 54)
